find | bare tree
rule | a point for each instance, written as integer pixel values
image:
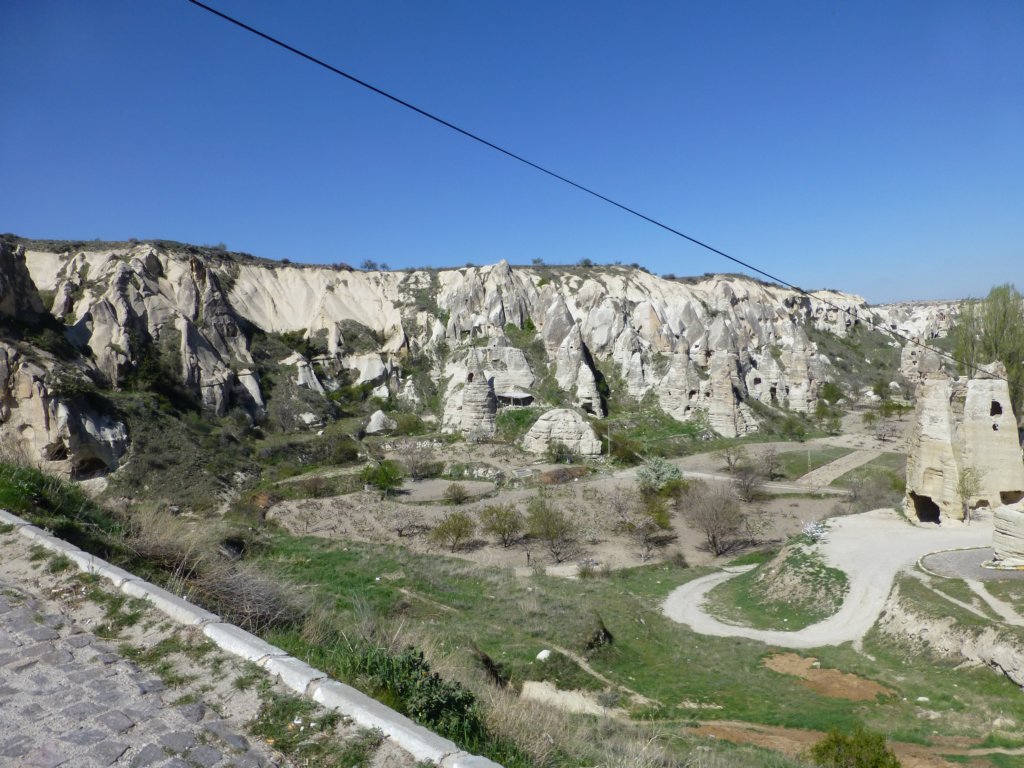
(748, 482)
(968, 484)
(419, 460)
(771, 463)
(733, 456)
(405, 520)
(646, 521)
(885, 431)
(715, 511)
(552, 528)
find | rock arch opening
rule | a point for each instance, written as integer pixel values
(996, 409)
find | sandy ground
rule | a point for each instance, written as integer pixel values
(406, 518)
(364, 516)
(871, 548)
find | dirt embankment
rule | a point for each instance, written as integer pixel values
(989, 646)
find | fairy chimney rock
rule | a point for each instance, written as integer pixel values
(470, 406)
(960, 425)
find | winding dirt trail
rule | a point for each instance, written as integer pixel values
(871, 548)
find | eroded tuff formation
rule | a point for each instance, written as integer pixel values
(963, 424)
(565, 427)
(45, 416)
(1008, 536)
(712, 348)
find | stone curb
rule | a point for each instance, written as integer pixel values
(237, 641)
(178, 609)
(920, 561)
(370, 713)
(295, 674)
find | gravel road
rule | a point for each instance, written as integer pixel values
(871, 548)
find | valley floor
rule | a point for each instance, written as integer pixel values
(869, 548)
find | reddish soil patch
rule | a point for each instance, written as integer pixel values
(827, 682)
(796, 741)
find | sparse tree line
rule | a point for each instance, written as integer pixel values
(992, 329)
(556, 529)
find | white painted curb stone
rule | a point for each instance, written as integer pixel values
(9, 519)
(370, 713)
(300, 677)
(241, 643)
(182, 611)
(295, 674)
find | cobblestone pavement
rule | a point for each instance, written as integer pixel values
(68, 698)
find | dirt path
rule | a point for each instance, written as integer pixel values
(1003, 609)
(824, 475)
(870, 548)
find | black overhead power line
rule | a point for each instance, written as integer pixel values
(581, 187)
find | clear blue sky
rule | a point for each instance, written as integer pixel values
(874, 147)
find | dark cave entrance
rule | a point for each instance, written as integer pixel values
(927, 510)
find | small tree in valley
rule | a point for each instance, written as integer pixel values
(716, 513)
(385, 476)
(454, 530)
(968, 485)
(551, 527)
(456, 493)
(504, 522)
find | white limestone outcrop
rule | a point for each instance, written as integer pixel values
(745, 339)
(48, 424)
(379, 424)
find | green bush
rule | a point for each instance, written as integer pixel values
(385, 476)
(454, 530)
(658, 474)
(560, 453)
(512, 423)
(860, 749)
(456, 493)
(504, 522)
(423, 695)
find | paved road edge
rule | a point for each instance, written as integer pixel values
(294, 673)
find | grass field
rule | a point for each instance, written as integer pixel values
(792, 592)
(449, 603)
(888, 467)
(798, 463)
(370, 602)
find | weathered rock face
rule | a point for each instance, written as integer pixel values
(916, 362)
(1008, 536)
(562, 425)
(19, 298)
(919, 319)
(43, 417)
(961, 424)
(49, 428)
(612, 322)
(305, 376)
(470, 406)
(379, 424)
